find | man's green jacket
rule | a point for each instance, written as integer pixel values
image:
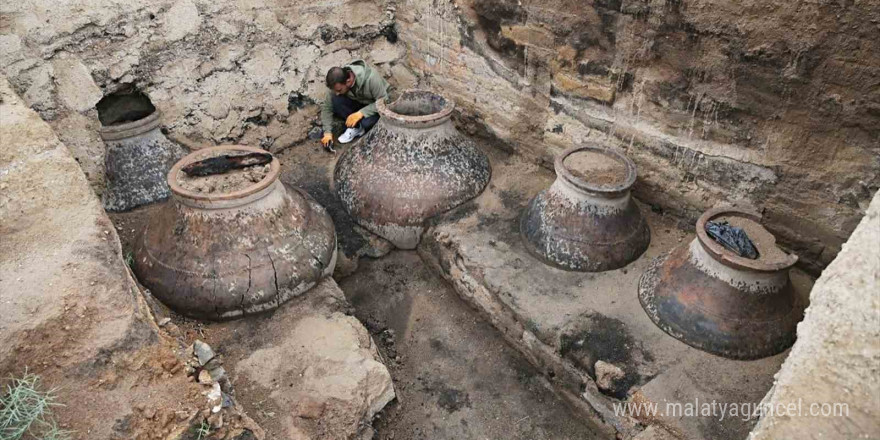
(369, 86)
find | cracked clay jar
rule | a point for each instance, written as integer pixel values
(219, 252)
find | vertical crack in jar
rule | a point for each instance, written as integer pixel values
(233, 244)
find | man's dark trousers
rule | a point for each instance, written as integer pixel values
(343, 107)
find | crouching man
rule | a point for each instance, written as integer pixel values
(352, 94)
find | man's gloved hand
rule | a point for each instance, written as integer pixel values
(353, 119)
(327, 139)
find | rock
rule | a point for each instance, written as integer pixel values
(164, 321)
(76, 88)
(181, 20)
(65, 270)
(215, 398)
(203, 352)
(217, 374)
(404, 77)
(600, 88)
(216, 420)
(533, 36)
(337, 361)
(326, 362)
(385, 52)
(608, 377)
(309, 408)
(263, 65)
(205, 377)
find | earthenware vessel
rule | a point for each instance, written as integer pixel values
(713, 299)
(586, 221)
(412, 166)
(223, 255)
(137, 162)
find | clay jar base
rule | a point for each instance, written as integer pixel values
(412, 166)
(713, 300)
(587, 221)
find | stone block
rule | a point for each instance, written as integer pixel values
(317, 369)
(601, 89)
(181, 20)
(832, 368)
(529, 35)
(76, 88)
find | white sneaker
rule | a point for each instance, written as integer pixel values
(350, 135)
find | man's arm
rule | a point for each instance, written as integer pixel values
(327, 113)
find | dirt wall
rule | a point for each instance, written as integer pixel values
(774, 105)
(826, 387)
(220, 71)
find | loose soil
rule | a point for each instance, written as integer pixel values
(232, 181)
(454, 375)
(596, 168)
(764, 241)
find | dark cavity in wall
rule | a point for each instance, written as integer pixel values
(126, 105)
(296, 100)
(390, 33)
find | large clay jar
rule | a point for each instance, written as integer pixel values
(222, 255)
(586, 221)
(412, 166)
(137, 162)
(713, 299)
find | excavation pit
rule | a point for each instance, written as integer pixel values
(585, 334)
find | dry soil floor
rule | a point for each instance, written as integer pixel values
(455, 377)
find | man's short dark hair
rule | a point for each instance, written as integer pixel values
(337, 75)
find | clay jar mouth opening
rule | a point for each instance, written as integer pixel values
(596, 170)
(126, 114)
(250, 192)
(417, 109)
(770, 257)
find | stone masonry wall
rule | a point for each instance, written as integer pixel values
(221, 71)
(769, 104)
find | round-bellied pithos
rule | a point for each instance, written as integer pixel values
(233, 244)
(711, 298)
(586, 221)
(412, 166)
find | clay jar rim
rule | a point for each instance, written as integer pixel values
(271, 177)
(422, 121)
(131, 129)
(726, 257)
(603, 190)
